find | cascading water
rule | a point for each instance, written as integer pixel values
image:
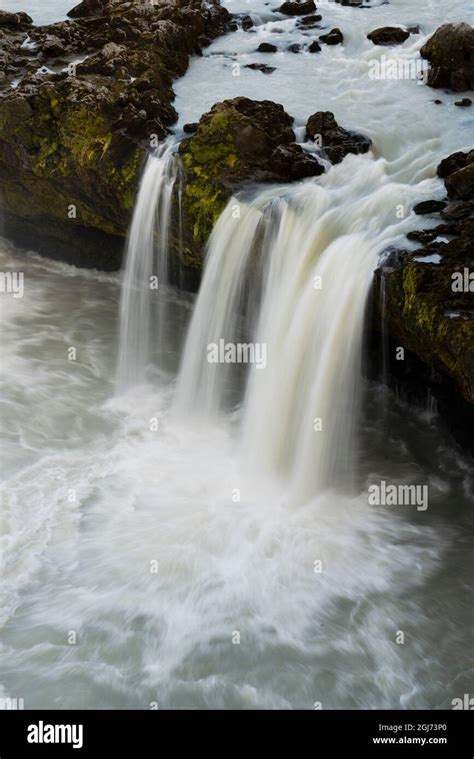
(142, 310)
(290, 272)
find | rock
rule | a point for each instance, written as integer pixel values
(294, 48)
(266, 47)
(456, 210)
(388, 35)
(429, 206)
(294, 8)
(309, 21)
(438, 102)
(452, 163)
(334, 37)
(80, 140)
(464, 103)
(88, 8)
(53, 46)
(239, 141)
(15, 19)
(260, 67)
(450, 53)
(336, 141)
(247, 23)
(315, 47)
(353, 3)
(460, 184)
(191, 127)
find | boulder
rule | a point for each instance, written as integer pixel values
(238, 142)
(450, 52)
(266, 47)
(334, 37)
(388, 35)
(336, 141)
(297, 7)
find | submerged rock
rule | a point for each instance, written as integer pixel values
(238, 142)
(450, 52)
(335, 141)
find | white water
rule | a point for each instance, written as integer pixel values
(142, 311)
(96, 487)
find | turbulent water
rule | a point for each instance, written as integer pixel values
(192, 541)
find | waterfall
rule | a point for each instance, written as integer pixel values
(142, 309)
(289, 270)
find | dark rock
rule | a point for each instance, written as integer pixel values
(294, 8)
(80, 139)
(260, 67)
(15, 19)
(452, 163)
(315, 47)
(429, 206)
(388, 35)
(191, 127)
(239, 141)
(336, 141)
(334, 37)
(247, 23)
(456, 210)
(309, 21)
(460, 184)
(438, 102)
(266, 47)
(294, 48)
(451, 54)
(464, 103)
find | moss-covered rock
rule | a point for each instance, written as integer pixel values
(72, 142)
(429, 293)
(238, 142)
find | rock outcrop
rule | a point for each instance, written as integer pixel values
(335, 141)
(429, 292)
(450, 52)
(237, 143)
(74, 131)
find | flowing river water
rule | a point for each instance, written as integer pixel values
(173, 539)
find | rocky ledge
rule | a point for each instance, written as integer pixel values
(429, 292)
(80, 103)
(242, 142)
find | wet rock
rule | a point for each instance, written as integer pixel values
(266, 47)
(190, 128)
(238, 142)
(260, 67)
(315, 47)
(294, 48)
(464, 103)
(78, 138)
(452, 163)
(388, 35)
(334, 37)
(429, 206)
(336, 141)
(309, 21)
(450, 52)
(460, 184)
(456, 210)
(247, 23)
(15, 19)
(294, 8)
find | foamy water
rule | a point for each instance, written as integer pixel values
(151, 558)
